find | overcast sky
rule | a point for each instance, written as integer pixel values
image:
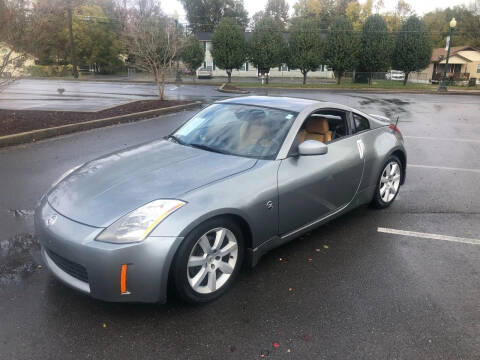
(419, 6)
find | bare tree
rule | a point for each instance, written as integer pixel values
(153, 42)
(14, 33)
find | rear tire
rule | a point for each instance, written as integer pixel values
(208, 260)
(388, 183)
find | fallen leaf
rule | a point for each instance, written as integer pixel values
(39, 266)
(264, 354)
(317, 250)
(104, 325)
(275, 344)
(290, 289)
(305, 337)
(325, 246)
(310, 259)
(288, 350)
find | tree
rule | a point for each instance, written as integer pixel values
(305, 46)
(205, 15)
(278, 9)
(467, 31)
(376, 45)
(15, 32)
(395, 19)
(259, 15)
(96, 38)
(357, 13)
(322, 10)
(267, 45)
(341, 47)
(153, 42)
(228, 46)
(412, 50)
(192, 54)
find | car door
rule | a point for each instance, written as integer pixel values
(314, 186)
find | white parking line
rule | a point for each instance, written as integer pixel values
(429, 236)
(443, 168)
(441, 139)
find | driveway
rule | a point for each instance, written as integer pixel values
(400, 283)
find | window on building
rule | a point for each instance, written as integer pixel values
(478, 69)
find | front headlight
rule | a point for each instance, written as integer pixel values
(136, 226)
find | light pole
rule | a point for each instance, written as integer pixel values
(443, 85)
(178, 78)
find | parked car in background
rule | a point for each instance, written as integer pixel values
(205, 73)
(395, 75)
(243, 176)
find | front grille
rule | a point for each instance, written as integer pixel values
(71, 268)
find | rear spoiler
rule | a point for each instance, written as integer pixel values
(382, 119)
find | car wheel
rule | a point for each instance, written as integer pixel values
(208, 260)
(388, 183)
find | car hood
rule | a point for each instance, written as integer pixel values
(103, 190)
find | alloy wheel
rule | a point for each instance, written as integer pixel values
(212, 260)
(390, 181)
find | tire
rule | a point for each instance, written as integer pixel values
(202, 264)
(388, 186)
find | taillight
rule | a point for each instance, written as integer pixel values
(394, 128)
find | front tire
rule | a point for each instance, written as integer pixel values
(208, 261)
(388, 183)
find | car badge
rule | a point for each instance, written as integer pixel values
(52, 220)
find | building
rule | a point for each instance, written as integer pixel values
(463, 64)
(248, 70)
(18, 66)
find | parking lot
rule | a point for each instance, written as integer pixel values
(400, 283)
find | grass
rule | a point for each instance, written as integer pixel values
(375, 84)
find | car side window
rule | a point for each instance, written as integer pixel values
(325, 126)
(360, 123)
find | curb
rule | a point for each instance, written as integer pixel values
(40, 134)
(222, 89)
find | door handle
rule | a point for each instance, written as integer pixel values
(361, 148)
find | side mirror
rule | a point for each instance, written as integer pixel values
(312, 147)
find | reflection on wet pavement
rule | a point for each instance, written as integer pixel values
(18, 257)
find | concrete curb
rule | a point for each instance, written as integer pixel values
(40, 134)
(222, 89)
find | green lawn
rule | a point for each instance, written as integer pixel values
(376, 84)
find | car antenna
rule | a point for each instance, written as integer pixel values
(396, 122)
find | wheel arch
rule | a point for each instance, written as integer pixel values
(402, 156)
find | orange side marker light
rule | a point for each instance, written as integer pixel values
(123, 279)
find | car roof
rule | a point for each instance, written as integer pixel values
(278, 102)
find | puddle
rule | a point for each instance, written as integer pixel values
(18, 257)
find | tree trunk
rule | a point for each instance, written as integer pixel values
(72, 43)
(229, 74)
(161, 84)
(406, 78)
(304, 73)
(339, 76)
(267, 71)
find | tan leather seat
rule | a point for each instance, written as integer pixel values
(315, 129)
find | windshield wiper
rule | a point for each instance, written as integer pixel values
(176, 139)
(208, 148)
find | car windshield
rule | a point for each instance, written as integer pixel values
(235, 129)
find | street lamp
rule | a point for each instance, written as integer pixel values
(178, 78)
(443, 85)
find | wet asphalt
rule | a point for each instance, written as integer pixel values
(344, 291)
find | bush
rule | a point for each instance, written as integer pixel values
(50, 70)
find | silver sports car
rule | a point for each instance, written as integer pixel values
(241, 177)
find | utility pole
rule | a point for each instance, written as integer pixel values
(72, 42)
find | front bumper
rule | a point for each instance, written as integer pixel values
(94, 268)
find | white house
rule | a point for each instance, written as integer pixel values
(248, 70)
